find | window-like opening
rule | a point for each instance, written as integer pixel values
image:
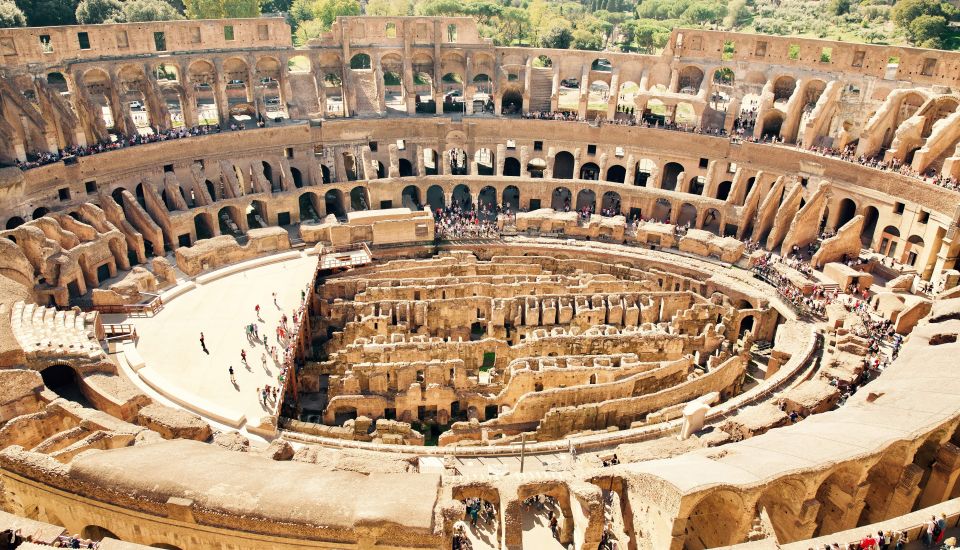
(538, 146)
(84, 39)
(929, 66)
(794, 52)
(64, 193)
(45, 45)
(898, 208)
(160, 41)
(91, 187)
(858, 58)
(591, 149)
(451, 33)
(228, 32)
(391, 30)
(729, 48)
(826, 54)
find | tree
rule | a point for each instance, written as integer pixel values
(241, 8)
(440, 7)
(148, 10)
(204, 9)
(389, 7)
(327, 11)
(274, 6)
(557, 36)
(11, 15)
(586, 40)
(923, 21)
(628, 33)
(45, 13)
(98, 11)
(840, 7)
(928, 31)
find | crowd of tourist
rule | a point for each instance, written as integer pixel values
(124, 142)
(10, 539)
(459, 222)
(814, 302)
(894, 165)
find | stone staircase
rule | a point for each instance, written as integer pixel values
(541, 88)
(46, 331)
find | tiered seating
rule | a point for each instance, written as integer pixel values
(45, 331)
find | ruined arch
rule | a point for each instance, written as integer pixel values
(410, 197)
(671, 174)
(616, 173)
(690, 79)
(563, 165)
(560, 199)
(359, 198)
(716, 520)
(511, 167)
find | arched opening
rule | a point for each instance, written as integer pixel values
(117, 195)
(889, 241)
(423, 85)
(487, 202)
(483, 160)
(309, 207)
(435, 198)
(229, 221)
(297, 177)
(536, 167)
(359, 198)
(511, 198)
(333, 204)
(406, 168)
(15, 222)
(462, 197)
(97, 533)
(746, 324)
(560, 200)
(344, 413)
(602, 65)
(430, 165)
(662, 210)
(381, 170)
(848, 209)
(723, 190)
(511, 167)
(40, 212)
(458, 162)
(870, 217)
(563, 165)
(689, 80)
(586, 201)
(511, 103)
(912, 250)
(687, 215)
(453, 93)
(597, 99)
(590, 171)
(783, 88)
(393, 93)
(772, 124)
(782, 502)
(643, 171)
(351, 166)
(211, 190)
(203, 225)
(360, 62)
(711, 221)
(617, 174)
(410, 197)
(671, 173)
(64, 381)
(696, 185)
(835, 496)
(545, 522)
(717, 520)
(611, 204)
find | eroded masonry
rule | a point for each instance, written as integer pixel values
(474, 296)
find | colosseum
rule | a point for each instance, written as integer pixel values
(399, 288)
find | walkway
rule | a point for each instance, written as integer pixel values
(170, 342)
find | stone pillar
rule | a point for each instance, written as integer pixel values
(577, 162)
(631, 175)
(614, 97)
(394, 170)
(501, 157)
(525, 159)
(733, 111)
(548, 172)
(220, 95)
(366, 158)
(943, 478)
(674, 81)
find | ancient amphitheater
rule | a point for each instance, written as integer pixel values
(403, 289)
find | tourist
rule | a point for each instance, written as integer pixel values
(243, 356)
(233, 379)
(203, 344)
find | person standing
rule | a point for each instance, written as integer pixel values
(203, 344)
(233, 379)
